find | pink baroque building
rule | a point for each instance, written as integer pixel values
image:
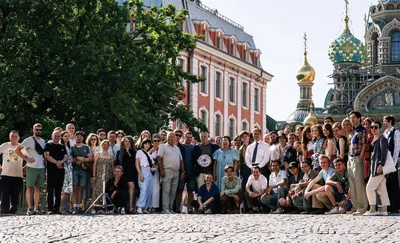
(233, 97)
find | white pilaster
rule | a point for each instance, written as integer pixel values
(211, 95)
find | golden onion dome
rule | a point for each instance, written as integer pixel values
(306, 73)
(311, 119)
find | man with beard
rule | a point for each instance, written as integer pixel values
(35, 172)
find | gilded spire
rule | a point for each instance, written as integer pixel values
(306, 73)
(346, 19)
(311, 119)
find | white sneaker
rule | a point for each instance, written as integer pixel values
(146, 211)
(382, 213)
(139, 211)
(208, 211)
(123, 211)
(368, 213)
(334, 210)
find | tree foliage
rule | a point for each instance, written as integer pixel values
(74, 61)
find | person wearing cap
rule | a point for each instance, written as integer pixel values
(256, 186)
(297, 198)
(81, 154)
(231, 193)
(295, 176)
(277, 186)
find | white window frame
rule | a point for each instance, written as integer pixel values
(205, 83)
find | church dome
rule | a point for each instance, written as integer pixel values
(297, 116)
(346, 48)
(311, 119)
(306, 73)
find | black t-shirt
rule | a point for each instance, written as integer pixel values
(57, 151)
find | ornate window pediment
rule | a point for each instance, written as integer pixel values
(383, 95)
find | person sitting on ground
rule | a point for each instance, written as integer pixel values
(256, 186)
(277, 187)
(337, 188)
(298, 199)
(294, 179)
(117, 189)
(231, 193)
(208, 197)
(319, 198)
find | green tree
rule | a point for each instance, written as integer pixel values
(74, 61)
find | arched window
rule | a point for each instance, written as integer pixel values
(389, 7)
(396, 47)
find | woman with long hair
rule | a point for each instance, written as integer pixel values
(143, 135)
(377, 180)
(342, 149)
(66, 191)
(155, 196)
(347, 128)
(330, 142)
(307, 144)
(93, 142)
(126, 157)
(146, 169)
(319, 139)
(367, 155)
(103, 163)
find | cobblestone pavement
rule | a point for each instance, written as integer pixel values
(199, 228)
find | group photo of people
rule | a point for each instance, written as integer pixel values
(338, 167)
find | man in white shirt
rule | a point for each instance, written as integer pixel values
(170, 161)
(255, 187)
(35, 172)
(258, 153)
(11, 175)
(393, 137)
(276, 186)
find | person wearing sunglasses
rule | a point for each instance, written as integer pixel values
(377, 180)
(35, 172)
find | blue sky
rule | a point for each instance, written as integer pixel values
(278, 28)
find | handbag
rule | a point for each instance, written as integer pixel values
(389, 166)
(86, 166)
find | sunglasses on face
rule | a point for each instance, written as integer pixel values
(156, 141)
(38, 130)
(93, 139)
(178, 135)
(374, 127)
(101, 134)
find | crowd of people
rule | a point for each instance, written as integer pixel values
(330, 168)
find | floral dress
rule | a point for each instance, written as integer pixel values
(318, 150)
(67, 186)
(107, 165)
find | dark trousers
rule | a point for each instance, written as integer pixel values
(392, 186)
(120, 199)
(229, 203)
(55, 181)
(302, 203)
(214, 206)
(12, 187)
(246, 172)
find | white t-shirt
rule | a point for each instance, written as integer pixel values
(275, 179)
(144, 162)
(29, 145)
(258, 185)
(12, 163)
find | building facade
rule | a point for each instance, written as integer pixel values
(233, 96)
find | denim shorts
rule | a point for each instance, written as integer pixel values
(79, 177)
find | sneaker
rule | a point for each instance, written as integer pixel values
(334, 210)
(76, 211)
(369, 213)
(278, 211)
(358, 213)
(208, 211)
(50, 212)
(29, 212)
(139, 211)
(166, 211)
(382, 213)
(146, 211)
(93, 211)
(123, 211)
